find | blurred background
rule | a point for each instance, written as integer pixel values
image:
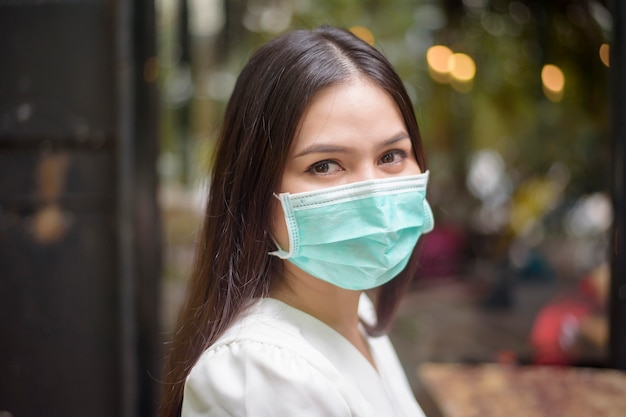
(512, 98)
(110, 111)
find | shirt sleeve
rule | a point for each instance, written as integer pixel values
(252, 378)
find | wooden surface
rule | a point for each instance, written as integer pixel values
(492, 390)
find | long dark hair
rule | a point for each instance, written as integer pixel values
(232, 263)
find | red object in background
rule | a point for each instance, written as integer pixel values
(555, 330)
(441, 252)
(557, 327)
(506, 357)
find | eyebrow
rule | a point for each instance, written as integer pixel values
(327, 148)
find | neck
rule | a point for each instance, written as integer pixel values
(334, 306)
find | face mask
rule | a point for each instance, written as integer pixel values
(360, 235)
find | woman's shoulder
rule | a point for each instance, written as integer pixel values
(271, 325)
(260, 355)
(267, 323)
(268, 334)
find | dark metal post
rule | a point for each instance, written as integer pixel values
(79, 226)
(125, 119)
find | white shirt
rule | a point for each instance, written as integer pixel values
(278, 361)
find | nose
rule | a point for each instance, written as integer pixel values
(367, 172)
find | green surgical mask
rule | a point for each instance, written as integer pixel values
(360, 235)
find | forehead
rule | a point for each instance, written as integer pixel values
(356, 108)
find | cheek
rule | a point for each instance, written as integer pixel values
(279, 227)
(414, 168)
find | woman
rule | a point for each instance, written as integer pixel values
(317, 195)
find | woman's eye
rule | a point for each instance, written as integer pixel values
(324, 167)
(393, 157)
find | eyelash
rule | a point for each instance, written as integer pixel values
(396, 152)
(313, 167)
(399, 152)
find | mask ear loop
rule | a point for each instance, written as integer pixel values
(429, 217)
(292, 230)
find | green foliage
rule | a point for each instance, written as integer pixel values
(505, 110)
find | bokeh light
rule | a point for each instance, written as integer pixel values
(592, 214)
(487, 179)
(445, 66)
(462, 70)
(553, 81)
(605, 54)
(364, 33)
(437, 58)
(461, 67)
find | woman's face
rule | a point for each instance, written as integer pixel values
(350, 132)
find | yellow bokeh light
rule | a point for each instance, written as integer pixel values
(605, 54)
(553, 81)
(437, 57)
(445, 67)
(552, 77)
(461, 67)
(364, 33)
